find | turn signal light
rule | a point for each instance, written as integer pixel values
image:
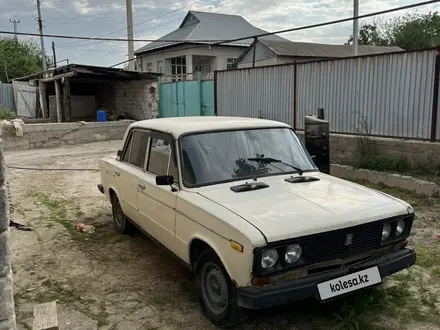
(237, 246)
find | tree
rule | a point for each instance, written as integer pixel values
(22, 58)
(410, 32)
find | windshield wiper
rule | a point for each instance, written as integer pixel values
(269, 160)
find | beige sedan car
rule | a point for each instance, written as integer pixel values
(241, 202)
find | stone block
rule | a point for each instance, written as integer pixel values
(6, 298)
(4, 209)
(5, 253)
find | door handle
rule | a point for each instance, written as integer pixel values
(141, 186)
(117, 173)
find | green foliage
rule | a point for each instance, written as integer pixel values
(411, 31)
(6, 114)
(22, 58)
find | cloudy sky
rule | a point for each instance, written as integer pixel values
(154, 18)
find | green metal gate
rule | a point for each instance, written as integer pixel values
(186, 98)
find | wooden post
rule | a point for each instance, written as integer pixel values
(43, 99)
(58, 101)
(45, 317)
(66, 95)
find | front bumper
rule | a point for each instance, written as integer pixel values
(282, 293)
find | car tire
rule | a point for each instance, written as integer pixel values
(216, 292)
(120, 220)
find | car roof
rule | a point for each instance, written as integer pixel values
(181, 125)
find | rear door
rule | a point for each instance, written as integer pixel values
(132, 163)
(157, 204)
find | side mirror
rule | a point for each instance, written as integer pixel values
(119, 153)
(164, 180)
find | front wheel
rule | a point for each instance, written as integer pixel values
(216, 292)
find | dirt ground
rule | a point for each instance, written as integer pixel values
(104, 280)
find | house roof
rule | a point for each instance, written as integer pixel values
(304, 49)
(197, 27)
(182, 125)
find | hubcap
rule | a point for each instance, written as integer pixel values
(214, 288)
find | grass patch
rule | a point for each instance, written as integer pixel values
(354, 312)
(6, 114)
(58, 211)
(427, 257)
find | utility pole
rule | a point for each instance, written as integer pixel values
(355, 26)
(15, 22)
(54, 55)
(130, 35)
(40, 28)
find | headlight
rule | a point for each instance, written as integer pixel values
(293, 253)
(386, 232)
(400, 227)
(269, 258)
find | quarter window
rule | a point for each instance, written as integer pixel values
(161, 160)
(139, 145)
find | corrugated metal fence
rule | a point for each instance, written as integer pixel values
(7, 96)
(264, 92)
(392, 93)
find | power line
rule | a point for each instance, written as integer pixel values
(25, 8)
(152, 28)
(217, 42)
(149, 20)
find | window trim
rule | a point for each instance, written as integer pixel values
(243, 178)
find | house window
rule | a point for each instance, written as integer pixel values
(149, 66)
(231, 63)
(203, 65)
(159, 66)
(178, 65)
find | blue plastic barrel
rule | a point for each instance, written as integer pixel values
(101, 115)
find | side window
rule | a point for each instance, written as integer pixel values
(139, 146)
(160, 160)
(126, 156)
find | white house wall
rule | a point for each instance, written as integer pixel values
(220, 54)
(270, 61)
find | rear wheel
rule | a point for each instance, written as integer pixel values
(120, 221)
(216, 292)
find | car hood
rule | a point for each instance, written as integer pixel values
(288, 210)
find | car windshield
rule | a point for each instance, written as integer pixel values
(214, 157)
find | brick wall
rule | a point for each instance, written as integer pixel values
(137, 98)
(37, 136)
